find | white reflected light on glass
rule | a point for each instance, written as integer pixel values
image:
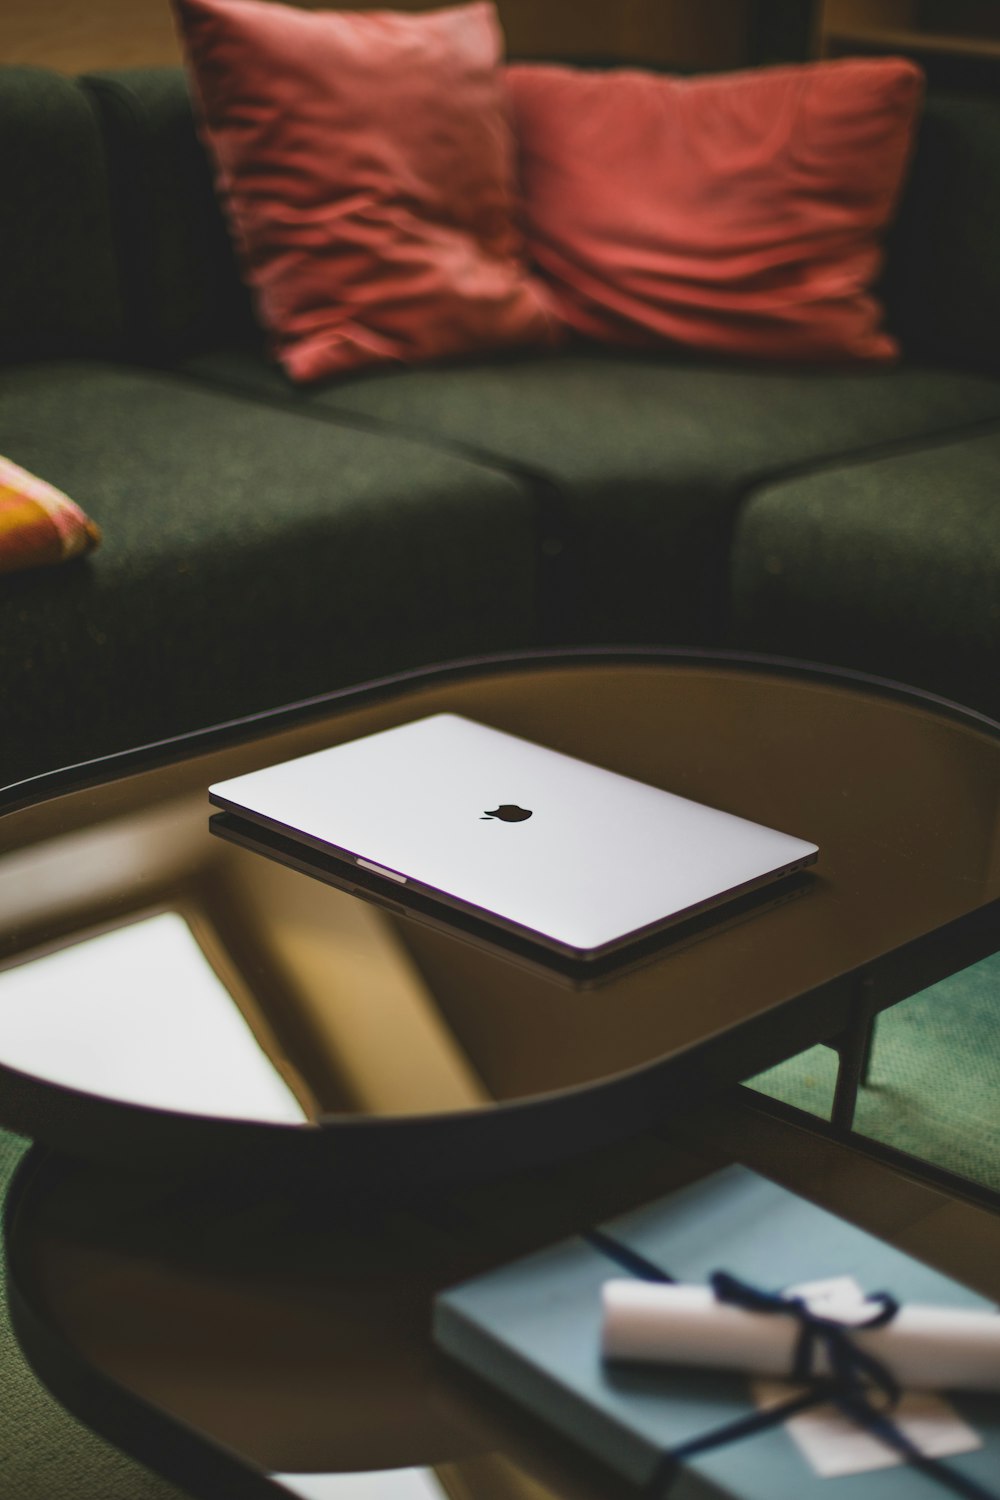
(139, 1015)
(380, 1484)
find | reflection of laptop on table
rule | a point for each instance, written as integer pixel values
(447, 815)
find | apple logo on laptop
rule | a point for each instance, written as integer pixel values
(508, 812)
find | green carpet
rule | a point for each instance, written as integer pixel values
(934, 1087)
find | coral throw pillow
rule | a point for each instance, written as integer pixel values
(39, 524)
(739, 213)
(365, 164)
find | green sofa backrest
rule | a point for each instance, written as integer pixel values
(180, 283)
(942, 279)
(58, 275)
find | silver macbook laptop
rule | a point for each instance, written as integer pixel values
(547, 847)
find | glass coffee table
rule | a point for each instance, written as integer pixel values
(195, 1031)
(400, 1053)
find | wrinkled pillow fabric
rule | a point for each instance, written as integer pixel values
(739, 214)
(39, 525)
(365, 164)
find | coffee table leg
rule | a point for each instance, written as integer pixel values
(866, 1061)
(854, 1049)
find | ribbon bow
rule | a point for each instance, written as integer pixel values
(855, 1372)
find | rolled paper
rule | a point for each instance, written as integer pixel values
(924, 1348)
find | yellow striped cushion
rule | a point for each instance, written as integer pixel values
(38, 523)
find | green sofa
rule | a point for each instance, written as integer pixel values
(264, 543)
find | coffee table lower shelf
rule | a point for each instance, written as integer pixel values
(233, 1340)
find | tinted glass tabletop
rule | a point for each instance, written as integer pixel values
(163, 991)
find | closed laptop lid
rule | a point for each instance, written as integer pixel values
(567, 851)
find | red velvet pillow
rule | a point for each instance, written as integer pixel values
(365, 165)
(738, 213)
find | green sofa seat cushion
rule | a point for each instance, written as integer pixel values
(648, 457)
(58, 270)
(889, 566)
(251, 557)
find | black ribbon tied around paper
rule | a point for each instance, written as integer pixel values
(853, 1371)
(857, 1382)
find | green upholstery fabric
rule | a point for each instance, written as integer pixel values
(647, 458)
(251, 557)
(889, 566)
(58, 277)
(941, 286)
(179, 275)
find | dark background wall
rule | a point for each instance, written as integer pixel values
(957, 41)
(73, 35)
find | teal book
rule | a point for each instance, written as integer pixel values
(532, 1329)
